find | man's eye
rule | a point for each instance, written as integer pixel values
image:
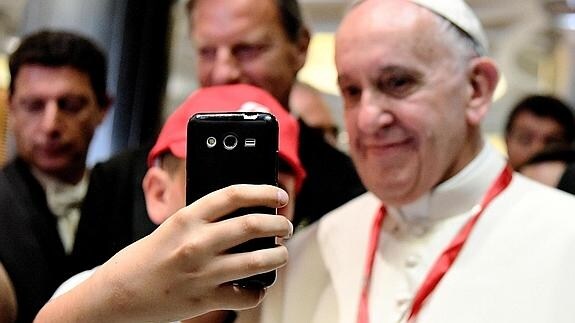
(32, 106)
(351, 95)
(399, 82)
(207, 53)
(350, 91)
(248, 52)
(398, 85)
(72, 105)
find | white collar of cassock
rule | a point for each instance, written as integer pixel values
(460, 194)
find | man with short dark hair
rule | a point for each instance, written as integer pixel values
(535, 123)
(57, 100)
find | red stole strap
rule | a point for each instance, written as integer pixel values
(442, 264)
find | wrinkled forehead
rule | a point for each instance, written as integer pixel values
(456, 12)
(371, 18)
(391, 29)
(384, 14)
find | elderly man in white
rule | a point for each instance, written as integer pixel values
(447, 232)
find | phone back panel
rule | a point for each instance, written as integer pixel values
(214, 162)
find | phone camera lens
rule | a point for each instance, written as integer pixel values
(211, 142)
(230, 142)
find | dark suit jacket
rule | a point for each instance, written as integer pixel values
(331, 177)
(567, 180)
(30, 246)
(114, 210)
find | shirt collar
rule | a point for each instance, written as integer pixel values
(61, 195)
(458, 195)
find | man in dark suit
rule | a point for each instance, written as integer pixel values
(57, 98)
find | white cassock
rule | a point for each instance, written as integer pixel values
(518, 264)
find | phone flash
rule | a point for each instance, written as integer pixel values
(250, 142)
(211, 142)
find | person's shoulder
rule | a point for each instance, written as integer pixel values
(338, 227)
(530, 188)
(535, 198)
(124, 168)
(353, 211)
(529, 214)
(16, 165)
(124, 160)
(15, 176)
(349, 213)
(5, 171)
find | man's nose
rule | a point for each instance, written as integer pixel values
(373, 114)
(227, 69)
(51, 117)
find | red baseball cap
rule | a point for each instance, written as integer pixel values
(230, 98)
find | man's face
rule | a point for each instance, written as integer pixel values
(529, 134)
(242, 41)
(405, 95)
(54, 114)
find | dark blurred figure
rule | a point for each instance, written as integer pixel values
(554, 166)
(114, 207)
(535, 123)
(57, 99)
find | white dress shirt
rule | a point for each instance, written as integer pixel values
(65, 201)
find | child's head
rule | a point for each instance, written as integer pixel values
(164, 184)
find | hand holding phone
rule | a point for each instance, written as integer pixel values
(234, 148)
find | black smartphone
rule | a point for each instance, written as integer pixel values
(234, 148)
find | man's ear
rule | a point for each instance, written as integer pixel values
(302, 45)
(483, 78)
(155, 186)
(104, 109)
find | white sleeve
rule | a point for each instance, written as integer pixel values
(73, 282)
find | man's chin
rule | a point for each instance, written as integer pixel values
(54, 168)
(390, 184)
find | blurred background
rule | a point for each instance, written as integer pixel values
(151, 66)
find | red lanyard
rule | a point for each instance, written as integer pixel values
(442, 264)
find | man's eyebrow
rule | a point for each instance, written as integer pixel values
(390, 69)
(73, 96)
(384, 69)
